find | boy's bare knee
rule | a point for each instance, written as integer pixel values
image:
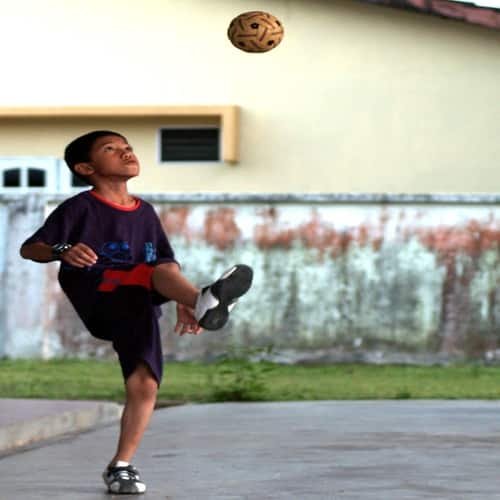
(142, 383)
(143, 389)
(149, 389)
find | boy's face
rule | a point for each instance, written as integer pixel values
(111, 158)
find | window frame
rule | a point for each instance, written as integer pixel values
(173, 126)
(57, 175)
(47, 164)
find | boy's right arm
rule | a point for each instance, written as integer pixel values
(79, 255)
(39, 252)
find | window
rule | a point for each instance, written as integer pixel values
(190, 144)
(11, 178)
(22, 178)
(36, 177)
(46, 174)
(23, 174)
(15, 177)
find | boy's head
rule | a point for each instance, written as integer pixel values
(101, 153)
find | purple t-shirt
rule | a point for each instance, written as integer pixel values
(122, 238)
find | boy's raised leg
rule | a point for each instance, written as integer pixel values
(169, 281)
(211, 304)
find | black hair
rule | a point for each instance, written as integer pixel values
(78, 150)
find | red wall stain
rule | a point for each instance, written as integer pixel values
(175, 221)
(220, 228)
(268, 234)
(472, 238)
(316, 233)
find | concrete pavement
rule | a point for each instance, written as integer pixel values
(27, 421)
(373, 450)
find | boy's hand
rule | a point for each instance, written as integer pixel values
(79, 255)
(186, 322)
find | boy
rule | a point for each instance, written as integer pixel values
(117, 268)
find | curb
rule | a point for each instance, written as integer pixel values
(28, 432)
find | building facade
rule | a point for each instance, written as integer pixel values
(356, 98)
(354, 166)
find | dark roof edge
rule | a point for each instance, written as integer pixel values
(468, 12)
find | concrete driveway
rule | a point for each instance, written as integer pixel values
(373, 450)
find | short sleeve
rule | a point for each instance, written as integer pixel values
(57, 227)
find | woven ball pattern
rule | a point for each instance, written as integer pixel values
(255, 31)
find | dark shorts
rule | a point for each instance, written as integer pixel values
(125, 311)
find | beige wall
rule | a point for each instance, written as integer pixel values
(356, 98)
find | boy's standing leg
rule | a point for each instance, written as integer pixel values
(141, 389)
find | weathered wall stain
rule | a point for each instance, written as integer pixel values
(420, 296)
(459, 250)
(220, 228)
(174, 220)
(332, 281)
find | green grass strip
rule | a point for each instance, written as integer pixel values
(239, 380)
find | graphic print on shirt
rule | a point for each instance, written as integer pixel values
(115, 252)
(149, 252)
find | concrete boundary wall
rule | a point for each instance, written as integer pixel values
(338, 277)
(313, 198)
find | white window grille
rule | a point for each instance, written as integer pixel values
(26, 174)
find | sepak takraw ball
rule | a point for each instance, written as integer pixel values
(255, 31)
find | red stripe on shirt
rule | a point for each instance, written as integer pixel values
(140, 275)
